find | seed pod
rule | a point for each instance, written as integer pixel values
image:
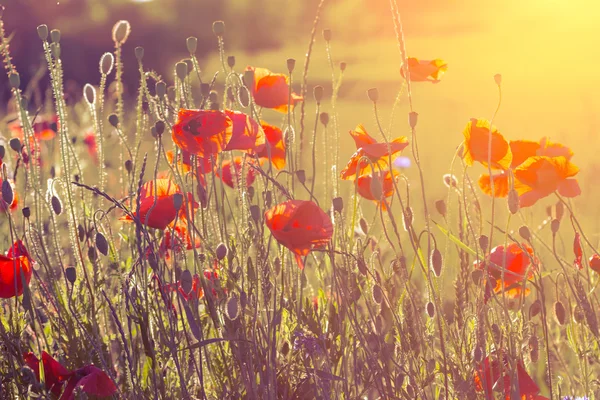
(26, 212)
(161, 89)
(301, 175)
(92, 255)
(113, 120)
(8, 195)
(56, 205)
(106, 63)
(327, 34)
(343, 66)
(14, 79)
(221, 251)
(181, 69)
(291, 64)
(324, 118)
(364, 226)
(233, 308)
(535, 308)
(534, 349)
(377, 294)
(101, 243)
(436, 262)
(559, 312)
(139, 53)
(318, 93)
(55, 36)
(120, 32)
(186, 281)
(338, 204)
(373, 94)
(71, 274)
(513, 201)
(177, 201)
(560, 210)
(80, 232)
(231, 61)
(484, 242)
(191, 44)
(2, 152)
(412, 119)
(498, 79)
(430, 309)
(218, 28)
(440, 206)
(525, 233)
(578, 314)
(496, 333)
(89, 93)
(555, 226)
(42, 31)
(15, 144)
(128, 166)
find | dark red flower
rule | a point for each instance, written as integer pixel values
(202, 132)
(14, 266)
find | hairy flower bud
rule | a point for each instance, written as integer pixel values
(291, 64)
(120, 32)
(218, 28)
(89, 94)
(42, 31)
(106, 63)
(373, 94)
(139, 53)
(181, 68)
(55, 36)
(191, 44)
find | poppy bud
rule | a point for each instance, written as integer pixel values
(71, 274)
(177, 201)
(181, 69)
(14, 79)
(476, 276)
(113, 120)
(55, 50)
(128, 166)
(80, 232)
(560, 210)
(534, 349)
(42, 31)
(26, 212)
(498, 79)
(327, 34)
(218, 28)
(7, 192)
(56, 205)
(301, 175)
(436, 262)
(255, 213)
(484, 242)
(377, 294)
(120, 32)
(2, 152)
(92, 255)
(525, 233)
(450, 180)
(268, 198)
(412, 119)
(55, 36)
(89, 93)
(291, 64)
(213, 97)
(187, 281)
(555, 226)
(233, 308)
(101, 243)
(373, 94)
(338, 204)
(430, 309)
(578, 314)
(513, 201)
(161, 89)
(106, 63)
(153, 261)
(221, 251)
(160, 127)
(192, 44)
(139, 53)
(343, 66)
(231, 61)
(376, 189)
(324, 117)
(559, 313)
(440, 206)
(535, 308)
(318, 93)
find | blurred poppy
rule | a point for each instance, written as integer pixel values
(271, 90)
(212, 281)
(299, 225)
(425, 70)
(204, 165)
(578, 251)
(477, 135)
(178, 238)
(541, 176)
(15, 202)
(376, 191)
(595, 263)
(89, 140)
(274, 150)
(202, 132)
(55, 374)
(488, 376)
(514, 262)
(157, 210)
(44, 127)
(247, 134)
(14, 266)
(231, 176)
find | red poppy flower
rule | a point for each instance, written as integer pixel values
(578, 251)
(44, 127)
(595, 263)
(247, 134)
(366, 187)
(15, 265)
(178, 238)
(55, 374)
(231, 178)
(488, 375)
(274, 150)
(202, 132)
(477, 136)
(300, 226)
(89, 141)
(271, 90)
(212, 280)
(15, 203)
(514, 262)
(425, 70)
(158, 210)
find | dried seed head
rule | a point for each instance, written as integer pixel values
(318, 93)
(412, 119)
(8, 195)
(364, 226)
(161, 89)
(56, 205)
(177, 201)
(555, 226)
(327, 34)
(535, 308)
(498, 79)
(231, 61)
(233, 307)
(181, 68)
(14, 79)
(525, 233)
(560, 313)
(221, 251)
(484, 242)
(291, 64)
(139, 53)
(113, 120)
(343, 66)
(301, 175)
(42, 31)
(218, 28)
(71, 274)
(373, 94)
(101, 243)
(26, 212)
(89, 93)
(106, 63)
(436, 262)
(513, 201)
(191, 44)
(377, 294)
(430, 309)
(338, 204)
(324, 117)
(120, 32)
(55, 36)
(440, 206)
(186, 281)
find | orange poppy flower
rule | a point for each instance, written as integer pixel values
(425, 70)
(477, 135)
(15, 203)
(364, 186)
(44, 127)
(232, 180)
(274, 150)
(514, 262)
(158, 210)
(15, 265)
(271, 90)
(488, 373)
(202, 132)
(184, 161)
(541, 176)
(300, 226)
(247, 134)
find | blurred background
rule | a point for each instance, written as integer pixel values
(546, 51)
